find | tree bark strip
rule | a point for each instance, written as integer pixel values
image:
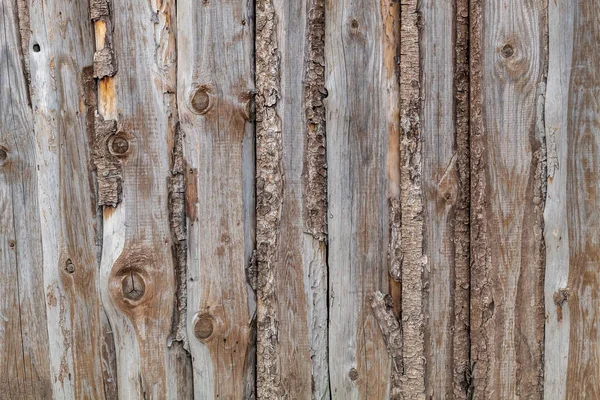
(25, 367)
(214, 89)
(507, 312)
(414, 261)
(362, 122)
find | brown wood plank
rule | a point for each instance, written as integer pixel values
(445, 153)
(214, 91)
(25, 364)
(135, 133)
(583, 195)
(361, 43)
(507, 313)
(63, 95)
(299, 265)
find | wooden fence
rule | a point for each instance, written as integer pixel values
(307, 199)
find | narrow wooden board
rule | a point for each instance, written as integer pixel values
(25, 366)
(63, 95)
(137, 272)
(214, 92)
(561, 16)
(300, 266)
(362, 138)
(508, 59)
(573, 137)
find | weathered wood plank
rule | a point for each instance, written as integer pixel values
(134, 140)
(361, 43)
(299, 269)
(445, 199)
(24, 366)
(214, 91)
(556, 353)
(63, 95)
(581, 294)
(507, 312)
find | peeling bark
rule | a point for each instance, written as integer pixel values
(395, 246)
(269, 197)
(315, 153)
(108, 166)
(411, 204)
(382, 306)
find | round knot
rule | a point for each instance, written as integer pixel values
(507, 51)
(200, 99)
(204, 326)
(133, 286)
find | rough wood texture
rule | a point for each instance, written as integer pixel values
(573, 193)
(298, 265)
(507, 312)
(362, 121)
(25, 365)
(137, 272)
(214, 91)
(415, 263)
(444, 199)
(561, 17)
(63, 95)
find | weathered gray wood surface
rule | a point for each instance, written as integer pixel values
(362, 137)
(316, 199)
(214, 91)
(25, 370)
(572, 351)
(507, 313)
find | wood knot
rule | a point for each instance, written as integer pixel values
(204, 326)
(69, 266)
(200, 99)
(560, 297)
(354, 24)
(118, 145)
(3, 155)
(133, 286)
(353, 374)
(507, 51)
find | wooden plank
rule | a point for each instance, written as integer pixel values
(445, 162)
(299, 269)
(558, 320)
(63, 95)
(580, 296)
(507, 312)
(25, 367)
(361, 44)
(134, 140)
(214, 91)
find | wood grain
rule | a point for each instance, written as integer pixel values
(362, 121)
(214, 91)
(300, 269)
(507, 313)
(25, 366)
(583, 219)
(137, 273)
(556, 352)
(442, 189)
(63, 96)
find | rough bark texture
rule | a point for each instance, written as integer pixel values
(383, 308)
(414, 262)
(269, 198)
(108, 165)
